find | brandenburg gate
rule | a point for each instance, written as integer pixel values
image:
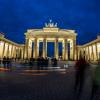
(50, 33)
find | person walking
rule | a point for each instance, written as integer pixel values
(96, 83)
(80, 68)
(4, 62)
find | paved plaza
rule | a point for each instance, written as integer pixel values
(47, 84)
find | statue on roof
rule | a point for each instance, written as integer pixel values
(50, 24)
(46, 25)
(56, 25)
(50, 20)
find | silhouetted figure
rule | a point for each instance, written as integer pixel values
(4, 61)
(38, 63)
(30, 61)
(33, 61)
(42, 62)
(0, 61)
(52, 61)
(96, 82)
(55, 62)
(80, 67)
(46, 62)
(8, 62)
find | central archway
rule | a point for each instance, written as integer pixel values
(50, 49)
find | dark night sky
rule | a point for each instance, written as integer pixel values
(16, 16)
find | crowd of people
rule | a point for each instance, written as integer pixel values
(6, 62)
(40, 61)
(43, 62)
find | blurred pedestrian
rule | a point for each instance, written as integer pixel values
(96, 82)
(80, 67)
(4, 61)
(38, 63)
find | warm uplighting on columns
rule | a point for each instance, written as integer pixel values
(71, 49)
(35, 48)
(14, 52)
(92, 53)
(65, 50)
(56, 48)
(27, 43)
(44, 47)
(24, 52)
(30, 49)
(11, 51)
(3, 50)
(96, 51)
(88, 53)
(74, 49)
(8, 51)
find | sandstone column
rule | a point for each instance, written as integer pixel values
(8, 51)
(3, 50)
(44, 47)
(35, 48)
(74, 49)
(56, 48)
(96, 51)
(65, 50)
(12, 51)
(24, 52)
(27, 45)
(92, 52)
(88, 53)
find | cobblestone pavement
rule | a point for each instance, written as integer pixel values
(41, 85)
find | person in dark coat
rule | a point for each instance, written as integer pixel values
(96, 82)
(8, 61)
(4, 61)
(55, 62)
(38, 63)
(80, 68)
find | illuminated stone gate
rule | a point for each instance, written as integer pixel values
(50, 33)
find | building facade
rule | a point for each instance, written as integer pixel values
(10, 49)
(91, 50)
(50, 33)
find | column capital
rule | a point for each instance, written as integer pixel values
(44, 39)
(56, 39)
(66, 39)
